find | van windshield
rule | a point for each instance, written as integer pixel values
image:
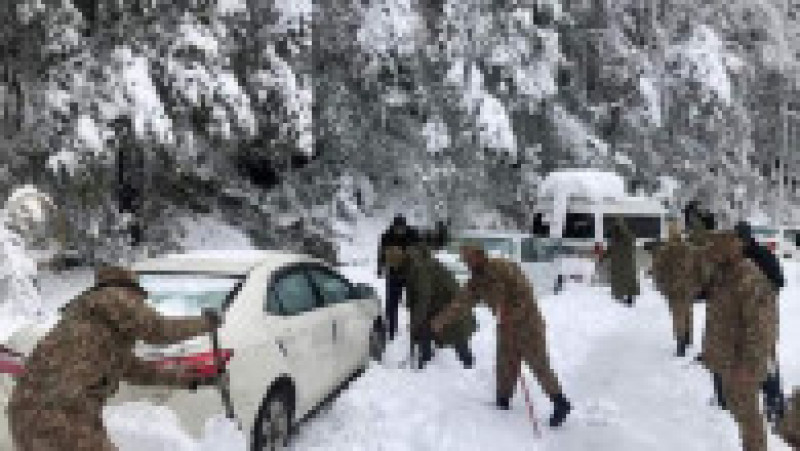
(764, 232)
(187, 294)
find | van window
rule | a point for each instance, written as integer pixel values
(640, 226)
(579, 225)
(540, 227)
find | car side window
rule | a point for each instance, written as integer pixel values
(333, 288)
(291, 294)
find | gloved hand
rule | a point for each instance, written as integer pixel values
(213, 317)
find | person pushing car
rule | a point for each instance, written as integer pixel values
(72, 372)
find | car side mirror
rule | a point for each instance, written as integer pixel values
(364, 291)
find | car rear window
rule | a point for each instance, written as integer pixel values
(187, 294)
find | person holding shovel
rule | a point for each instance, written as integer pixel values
(520, 330)
(72, 372)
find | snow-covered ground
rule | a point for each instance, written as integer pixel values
(615, 363)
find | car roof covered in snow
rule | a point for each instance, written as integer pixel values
(236, 262)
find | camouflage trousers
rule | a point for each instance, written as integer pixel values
(531, 348)
(789, 425)
(57, 430)
(742, 402)
(681, 311)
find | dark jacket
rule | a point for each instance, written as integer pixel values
(766, 261)
(393, 237)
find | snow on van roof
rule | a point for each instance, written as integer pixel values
(566, 184)
(585, 183)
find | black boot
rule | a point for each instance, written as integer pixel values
(503, 402)
(682, 344)
(465, 355)
(720, 397)
(561, 408)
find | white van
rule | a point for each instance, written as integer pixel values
(587, 224)
(789, 242)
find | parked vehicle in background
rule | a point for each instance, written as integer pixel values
(294, 330)
(789, 243)
(767, 235)
(535, 256)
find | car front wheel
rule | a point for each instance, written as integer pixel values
(273, 424)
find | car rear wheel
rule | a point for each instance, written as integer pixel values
(377, 343)
(273, 423)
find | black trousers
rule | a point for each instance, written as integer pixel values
(394, 290)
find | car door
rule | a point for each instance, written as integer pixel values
(351, 328)
(305, 340)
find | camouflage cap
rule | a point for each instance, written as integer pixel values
(116, 276)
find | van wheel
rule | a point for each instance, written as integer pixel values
(377, 343)
(273, 423)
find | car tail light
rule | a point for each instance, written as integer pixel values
(201, 364)
(11, 363)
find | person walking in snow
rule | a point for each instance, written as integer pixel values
(521, 334)
(770, 266)
(622, 258)
(401, 235)
(430, 288)
(740, 334)
(78, 365)
(674, 271)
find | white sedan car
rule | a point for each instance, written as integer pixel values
(294, 331)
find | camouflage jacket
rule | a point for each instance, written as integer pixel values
(80, 362)
(507, 292)
(675, 270)
(741, 320)
(430, 287)
(622, 259)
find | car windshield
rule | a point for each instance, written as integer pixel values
(186, 294)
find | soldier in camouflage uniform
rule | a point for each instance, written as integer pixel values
(521, 334)
(78, 365)
(675, 275)
(741, 330)
(789, 426)
(622, 257)
(430, 287)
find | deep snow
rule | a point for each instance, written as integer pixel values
(615, 363)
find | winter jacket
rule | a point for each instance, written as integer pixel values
(393, 237)
(761, 256)
(741, 320)
(79, 364)
(622, 257)
(430, 288)
(505, 289)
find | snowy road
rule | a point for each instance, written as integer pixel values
(616, 364)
